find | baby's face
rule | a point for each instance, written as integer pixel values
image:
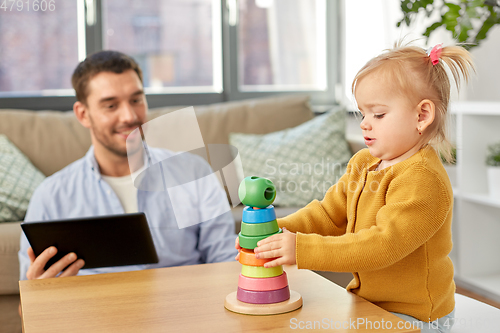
(390, 120)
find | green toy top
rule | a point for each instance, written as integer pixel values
(257, 192)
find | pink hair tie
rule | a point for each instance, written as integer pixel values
(434, 53)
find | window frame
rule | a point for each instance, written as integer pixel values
(333, 42)
(94, 42)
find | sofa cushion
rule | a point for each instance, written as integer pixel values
(258, 116)
(18, 180)
(303, 162)
(50, 139)
(54, 139)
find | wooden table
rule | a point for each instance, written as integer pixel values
(188, 299)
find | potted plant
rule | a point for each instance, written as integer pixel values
(468, 21)
(493, 163)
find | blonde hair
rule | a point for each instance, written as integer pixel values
(411, 69)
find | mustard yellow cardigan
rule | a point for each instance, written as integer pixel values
(390, 228)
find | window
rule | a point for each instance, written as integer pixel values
(282, 45)
(191, 51)
(175, 42)
(37, 55)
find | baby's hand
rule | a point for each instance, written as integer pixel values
(280, 246)
(238, 247)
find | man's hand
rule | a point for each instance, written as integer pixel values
(280, 246)
(36, 269)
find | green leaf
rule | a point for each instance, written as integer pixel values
(471, 11)
(464, 33)
(404, 6)
(488, 23)
(425, 3)
(433, 27)
(464, 27)
(416, 6)
(410, 8)
(451, 26)
(483, 31)
(452, 14)
(453, 7)
(450, 18)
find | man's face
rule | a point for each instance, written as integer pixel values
(116, 106)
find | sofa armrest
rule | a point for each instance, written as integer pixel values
(10, 234)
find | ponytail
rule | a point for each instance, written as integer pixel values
(459, 62)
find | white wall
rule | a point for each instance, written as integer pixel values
(486, 85)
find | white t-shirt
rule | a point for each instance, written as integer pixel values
(125, 190)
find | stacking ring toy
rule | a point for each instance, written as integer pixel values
(261, 272)
(250, 242)
(258, 284)
(251, 215)
(247, 257)
(256, 229)
(263, 297)
(257, 192)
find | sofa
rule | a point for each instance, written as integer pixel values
(53, 139)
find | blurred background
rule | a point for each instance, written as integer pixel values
(202, 51)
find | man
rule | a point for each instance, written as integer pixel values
(111, 103)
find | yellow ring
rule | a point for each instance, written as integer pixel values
(261, 272)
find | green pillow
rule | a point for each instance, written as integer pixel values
(18, 180)
(303, 162)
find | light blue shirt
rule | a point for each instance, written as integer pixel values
(79, 191)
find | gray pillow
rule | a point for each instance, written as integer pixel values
(303, 162)
(18, 180)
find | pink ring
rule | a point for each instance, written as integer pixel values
(263, 284)
(263, 297)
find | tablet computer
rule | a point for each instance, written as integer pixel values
(102, 241)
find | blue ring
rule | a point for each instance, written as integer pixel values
(263, 215)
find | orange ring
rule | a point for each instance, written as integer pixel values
(247, 257)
